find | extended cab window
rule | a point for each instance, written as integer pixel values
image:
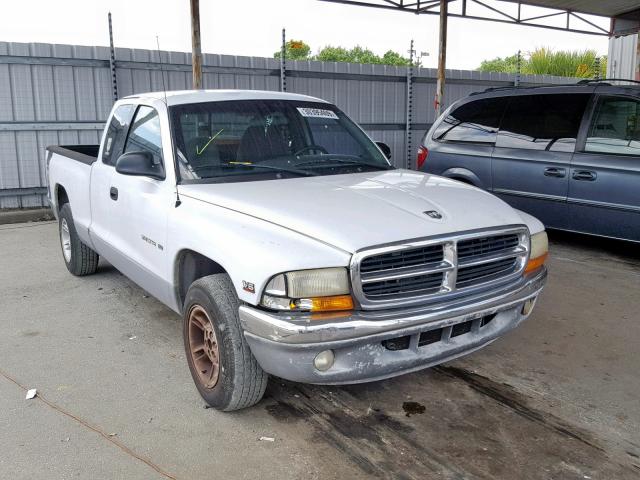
(615, 127)
(266, 139)
(474, 122)
(145, 134)
(543, 122)
(116, 134)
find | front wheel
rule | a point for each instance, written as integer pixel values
(225, 372)
(78, 257)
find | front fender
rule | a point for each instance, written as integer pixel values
(250, 249)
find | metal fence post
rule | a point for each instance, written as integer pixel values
(596, 68)
(112, 63)
(283, 65)
(409, 110)
(516, 82)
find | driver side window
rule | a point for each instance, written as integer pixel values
(144, 135)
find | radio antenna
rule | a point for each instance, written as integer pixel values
(164, 87)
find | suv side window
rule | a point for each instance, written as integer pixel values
(615, 127)
(543, 122)
(116, 134)
(145, 134)
(474, 122)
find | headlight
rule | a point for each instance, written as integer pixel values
(323, 289)
(539, 251)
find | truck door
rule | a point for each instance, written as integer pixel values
(604, 192)
(531, 160)
(102, 203)
(141, 204)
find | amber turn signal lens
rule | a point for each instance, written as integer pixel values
(326, 304)
(535, 263)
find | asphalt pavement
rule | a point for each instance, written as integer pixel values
(557, 398)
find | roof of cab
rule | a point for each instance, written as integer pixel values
(179, 97)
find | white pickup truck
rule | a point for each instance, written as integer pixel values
(288, 243)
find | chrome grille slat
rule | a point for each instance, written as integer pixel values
(479, 260)
(419, 283)
(406, 272)
(435, 269)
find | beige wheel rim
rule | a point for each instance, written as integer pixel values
(203, 347)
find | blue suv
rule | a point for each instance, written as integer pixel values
(569, 155)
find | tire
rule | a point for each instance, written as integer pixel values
(237, 381)
(78, 257)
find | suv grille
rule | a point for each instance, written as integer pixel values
(434, 268)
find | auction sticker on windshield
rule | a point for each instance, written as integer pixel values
(317, 113)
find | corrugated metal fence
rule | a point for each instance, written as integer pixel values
(62, 94)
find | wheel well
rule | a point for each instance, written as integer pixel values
(61, 196)
(191, 266)
(463, 180)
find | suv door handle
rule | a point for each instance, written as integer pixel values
(555, 172)
(113, 193)
(584, 175)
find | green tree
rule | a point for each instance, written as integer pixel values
(498, 64)
(394, 58)
(298, 50)
(545, 61)
(359, 54)
(295, 50)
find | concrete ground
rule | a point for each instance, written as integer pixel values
(557, 398)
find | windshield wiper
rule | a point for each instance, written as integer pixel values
(331, 163)
(301, 173)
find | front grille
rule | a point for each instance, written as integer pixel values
(474, 247)
(468, 276)
(424, 284)
(389, 261)
(435, 268)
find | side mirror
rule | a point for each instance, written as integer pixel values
(385, 149)
(139, 164)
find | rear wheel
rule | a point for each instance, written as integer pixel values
(226, 374)
(78, 257)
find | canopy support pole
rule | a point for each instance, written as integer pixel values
(442, 57)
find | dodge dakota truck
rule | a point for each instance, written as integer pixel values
(288, 243)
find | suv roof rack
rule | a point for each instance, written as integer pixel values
(588, 81)
(523, 87)
(581, 83)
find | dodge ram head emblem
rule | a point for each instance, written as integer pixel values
(433, 214)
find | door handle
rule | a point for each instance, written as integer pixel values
(555, 172)
(584, 175)
(113, 193)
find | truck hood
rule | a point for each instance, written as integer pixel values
(360, 210)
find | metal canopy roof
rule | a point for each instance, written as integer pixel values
(604, 8)
(624, 14)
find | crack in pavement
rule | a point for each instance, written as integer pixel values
(93, 428)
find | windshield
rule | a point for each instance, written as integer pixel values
(268, 139)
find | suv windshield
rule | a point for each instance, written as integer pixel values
(266, 139)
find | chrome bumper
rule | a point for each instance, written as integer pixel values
(286, 345)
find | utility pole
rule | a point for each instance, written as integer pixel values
(442, 56)
(196, 49)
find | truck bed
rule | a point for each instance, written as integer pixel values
(82, 153)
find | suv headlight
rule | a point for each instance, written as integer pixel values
(539, 251)
(319, 290)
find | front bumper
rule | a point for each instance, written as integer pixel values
(285, 345)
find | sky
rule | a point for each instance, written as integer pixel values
(253, 27)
